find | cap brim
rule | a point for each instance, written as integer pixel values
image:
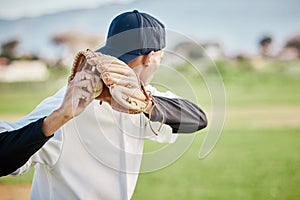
(125, 57)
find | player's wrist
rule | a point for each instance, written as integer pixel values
(63, 114)
(54, 121)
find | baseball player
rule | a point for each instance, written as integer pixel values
(97, 154)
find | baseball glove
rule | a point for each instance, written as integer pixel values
(122, 88)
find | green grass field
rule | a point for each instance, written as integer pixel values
(256, 157)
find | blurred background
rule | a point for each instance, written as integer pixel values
(255, 47)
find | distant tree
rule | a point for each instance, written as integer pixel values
(9, 49)
(189, 50)
(195, 51)
(291, 49)
(294, 42)
(72, 41)
(76, 40)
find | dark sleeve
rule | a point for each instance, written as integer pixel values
(182, 115)
(17, 146)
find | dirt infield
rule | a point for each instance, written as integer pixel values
(264, 116)
(14, 191)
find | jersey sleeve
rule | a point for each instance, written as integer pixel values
(17, 146)
(47, 153)
(182, 115)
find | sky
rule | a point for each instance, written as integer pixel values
(236, 24)
(13, 9)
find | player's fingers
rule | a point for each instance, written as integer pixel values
(85, 85)
(83, 75)
(93, 76)
(82, 94)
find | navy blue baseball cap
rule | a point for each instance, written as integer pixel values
(132, 34)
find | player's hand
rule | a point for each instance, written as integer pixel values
(80, 92)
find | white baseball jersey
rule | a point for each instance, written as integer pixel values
(96, 155)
